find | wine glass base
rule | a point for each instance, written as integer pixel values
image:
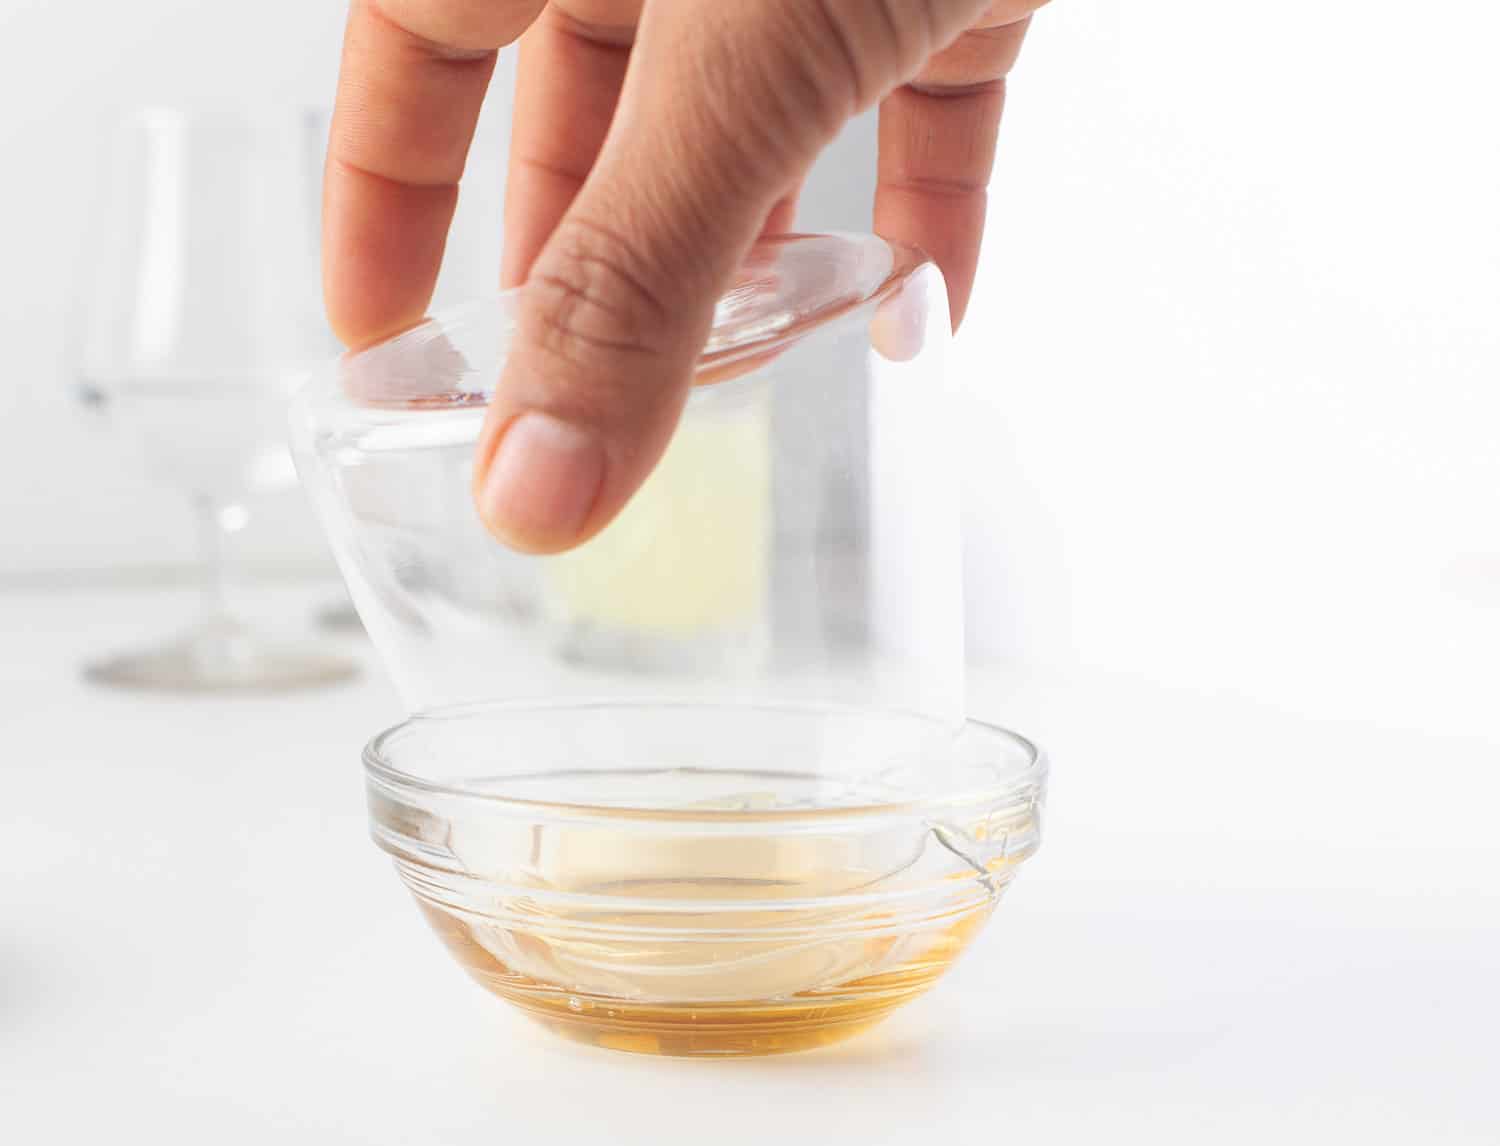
(340, 617)
(222, 656)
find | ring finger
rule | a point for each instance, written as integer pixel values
(568, 78)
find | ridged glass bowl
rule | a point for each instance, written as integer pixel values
(701, 879)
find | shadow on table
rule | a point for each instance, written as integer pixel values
(22, 986)
(915, 1050)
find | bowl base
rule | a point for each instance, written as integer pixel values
(724, 1030)
(693, 1029)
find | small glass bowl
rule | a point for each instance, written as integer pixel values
(698, 878)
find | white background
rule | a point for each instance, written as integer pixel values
(1242, 353)
(1235, 545)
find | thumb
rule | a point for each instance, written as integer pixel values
(723, 106)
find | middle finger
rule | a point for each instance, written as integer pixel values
(572, 64)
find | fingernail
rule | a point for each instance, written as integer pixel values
(542, 483)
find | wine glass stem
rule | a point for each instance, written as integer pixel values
(214, 604)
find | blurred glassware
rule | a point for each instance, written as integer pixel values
(340, 616)
(197, 316)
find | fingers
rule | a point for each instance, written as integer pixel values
(568, 79)
(937, 146)
(572, 65)
(410, 87)
(783, 214)
(723, 108)
(936, 150)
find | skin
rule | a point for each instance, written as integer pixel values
(652, 142)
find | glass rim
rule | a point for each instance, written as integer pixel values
(1020, 781)
(726, 352)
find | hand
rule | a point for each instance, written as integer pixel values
(651, 143)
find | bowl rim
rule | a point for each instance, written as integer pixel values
(1023, 785)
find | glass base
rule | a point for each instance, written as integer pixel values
(781, 1024)
(340, 617)
(221, 655)
(733, 1031)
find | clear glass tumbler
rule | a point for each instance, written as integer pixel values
(704, 785)
(799, 540)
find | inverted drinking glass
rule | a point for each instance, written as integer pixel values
(704, 785)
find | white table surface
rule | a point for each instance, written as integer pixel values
(1243, 926)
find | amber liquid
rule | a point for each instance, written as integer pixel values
(727, 942)
(753, 1026)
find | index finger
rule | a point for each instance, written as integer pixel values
(411, 83)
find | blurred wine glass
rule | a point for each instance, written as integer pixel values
(196, 317)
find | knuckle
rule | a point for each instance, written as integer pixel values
(870, 44)
(1008, 12)
(940, 143)
(979, 56)
(609, 22)
(873, 44)
(785, 76)
(459, 27)
(588, 299)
